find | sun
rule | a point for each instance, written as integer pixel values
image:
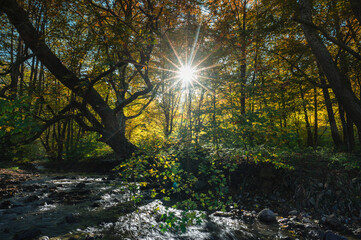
(187, 74)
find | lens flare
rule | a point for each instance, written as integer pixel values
(187, 74)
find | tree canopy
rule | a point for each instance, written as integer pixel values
(98, 75)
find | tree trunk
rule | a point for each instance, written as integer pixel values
(308, 126)
(315, 131)
(350, 133)
(337, 80)
(112, 131)
(114, 135)
(344, 127)
(331, 117)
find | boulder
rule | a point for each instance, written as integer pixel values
(266, 216)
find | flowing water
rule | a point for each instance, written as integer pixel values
(94, 207)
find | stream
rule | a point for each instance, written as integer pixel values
(99, 207)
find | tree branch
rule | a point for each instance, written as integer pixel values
(330, 38)
(145, 105)
(16, 64)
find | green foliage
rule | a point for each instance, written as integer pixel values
(346, 160)
(198, 177)
(16, 121)
(87, 147)
(257, 128)
(17, 125)
(180, 223)
(27, 153)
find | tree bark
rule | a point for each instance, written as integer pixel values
(308, 126)
(337, 80)
(315, 127)
(331, 116)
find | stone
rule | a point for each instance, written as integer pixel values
(31, 198)
(44, 238)
(72, 218)
(80, 185)
(357, 232)
(27, 234)
(293, 213)
(333, 221)
(315, 234)
(332, 236)
(6, 204)
(266, 216)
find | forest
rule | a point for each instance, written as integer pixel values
(199, 107)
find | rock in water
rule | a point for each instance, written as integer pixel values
(293, 212)
(333, 221)
(6, 204)
(267, 216)
(331, 236)
(72, 218)
(27, 234)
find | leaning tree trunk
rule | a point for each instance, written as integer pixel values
(110, 128)
(114, 135)
(337, 80)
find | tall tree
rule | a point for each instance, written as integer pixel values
(108, 119)
(336, 78)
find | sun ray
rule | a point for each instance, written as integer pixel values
(170, 78)
(170, 61)
(193, 52)
(200, 84)
(186, 70)
(206, 57)
(210, 78)
(163, 69)
(194, 56)
(175, 52)
(205, 68)
(174, 84)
